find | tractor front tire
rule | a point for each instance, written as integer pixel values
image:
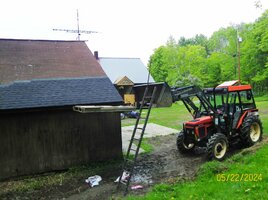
(251, 130)
(182, 145)
(217, 147)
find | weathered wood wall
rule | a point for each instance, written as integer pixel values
(35, 142)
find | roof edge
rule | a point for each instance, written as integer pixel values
(119, 58)
(51, 79)
(40, 40)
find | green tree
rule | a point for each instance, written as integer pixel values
(157, 64)
(199, 39)
(208, 62)
(254, 54)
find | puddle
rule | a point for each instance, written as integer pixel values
(142, 174)
(141, 178)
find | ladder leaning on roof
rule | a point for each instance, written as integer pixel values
(129, 164)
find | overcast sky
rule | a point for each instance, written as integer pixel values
(127, 28)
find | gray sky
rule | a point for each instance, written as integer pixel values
(127, 28)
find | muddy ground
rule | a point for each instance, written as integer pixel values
(164, 165)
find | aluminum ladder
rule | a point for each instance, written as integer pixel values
(129, 163)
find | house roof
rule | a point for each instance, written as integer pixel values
(58, 92)
(123, 81)
(44, 73)
(35, 59)
(133, 68)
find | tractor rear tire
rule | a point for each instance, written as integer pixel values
(217, 147)
(251, 130)
(182, 145)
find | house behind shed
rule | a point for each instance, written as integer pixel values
(125, 73)
(132, 68)
(40, 82)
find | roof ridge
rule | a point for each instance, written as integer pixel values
(40, 40)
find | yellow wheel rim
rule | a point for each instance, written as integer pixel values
(255, 132)
(220, 149)
(188, 146)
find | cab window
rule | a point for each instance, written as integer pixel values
(247, 101)
(233, 103)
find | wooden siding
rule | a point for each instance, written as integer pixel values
(36, 142)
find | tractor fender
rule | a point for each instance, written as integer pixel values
(241, 120)
(243, 117)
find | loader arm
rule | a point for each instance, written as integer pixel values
(166, 95)
(194, 100)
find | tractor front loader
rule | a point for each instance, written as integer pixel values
(221, 115)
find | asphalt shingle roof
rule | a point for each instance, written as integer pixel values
(43, 59)
(48, 73)
(58, 92)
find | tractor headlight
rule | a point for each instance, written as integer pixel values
(216, 121)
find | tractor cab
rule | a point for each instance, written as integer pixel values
(231, 102)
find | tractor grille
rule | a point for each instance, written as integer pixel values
(202, 132)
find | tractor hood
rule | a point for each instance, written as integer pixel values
(199, 121)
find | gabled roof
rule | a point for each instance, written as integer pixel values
(42, 73)
(133, 68)
(58, 92)
(35, 59)
(123, 81)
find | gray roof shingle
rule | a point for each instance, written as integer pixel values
(58, 92)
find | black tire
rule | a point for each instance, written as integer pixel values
(217, 147)
(182, 145)
(251, 130)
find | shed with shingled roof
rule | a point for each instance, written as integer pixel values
(40, 82)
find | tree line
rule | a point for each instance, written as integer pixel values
(208, 62)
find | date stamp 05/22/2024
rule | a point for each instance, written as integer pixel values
(239, 177)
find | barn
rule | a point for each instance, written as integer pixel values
(40, 82)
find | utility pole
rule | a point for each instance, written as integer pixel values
(78, 31)
(239, 40)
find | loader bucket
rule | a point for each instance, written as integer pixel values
(163, 93)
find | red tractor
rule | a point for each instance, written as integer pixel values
(221, 115)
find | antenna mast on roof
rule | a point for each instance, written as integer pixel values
(78, 31)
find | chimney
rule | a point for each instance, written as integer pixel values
(96, 55)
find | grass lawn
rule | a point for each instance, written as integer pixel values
(263, 111)
(242, 176)
(172, 117)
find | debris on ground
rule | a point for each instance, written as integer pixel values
(124, 178)
(135, 187)
(93, 180)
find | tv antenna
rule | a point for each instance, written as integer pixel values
(78, 31)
